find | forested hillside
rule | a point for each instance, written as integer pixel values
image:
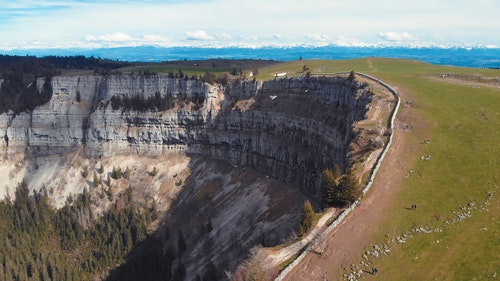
(40, 243)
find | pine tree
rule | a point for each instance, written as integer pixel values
(95, 182)
(127, 173)
(181, 243)
(109, 192)
(116, 173)
(307, 218)
(347, 191)
(85, 172)
(100, 170)
(329, 185)
(352, 75)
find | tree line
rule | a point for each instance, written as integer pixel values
(154, 103)
(19, 91)
(138, 103)
(82, 62)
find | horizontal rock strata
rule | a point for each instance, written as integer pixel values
(289, 128)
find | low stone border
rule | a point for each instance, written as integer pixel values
(347, 211)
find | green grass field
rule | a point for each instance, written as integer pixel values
(200, 67)
(463, 124)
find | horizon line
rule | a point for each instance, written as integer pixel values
(249, 46)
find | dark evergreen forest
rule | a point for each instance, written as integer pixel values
(19, 91)
(40, 243)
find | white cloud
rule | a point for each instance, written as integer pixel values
(309, 23)
(123, 39)
(90, 38)
(198, 35)
(248, 38)
(320, 39)
(397, 36)
(115, 37)
(344, 41)
(154, 39)
(223, 36)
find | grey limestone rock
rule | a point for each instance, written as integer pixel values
(290, 128)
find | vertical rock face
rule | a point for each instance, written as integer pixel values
(147, 132)
(57, 125)
(289, 128)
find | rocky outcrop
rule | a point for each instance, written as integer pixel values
(288, 128)
(56, 126)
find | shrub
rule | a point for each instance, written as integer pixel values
(127, 172)
(100, 170)
(154, 172)
(95, 181)
(352, 75)
(85, 172)
(116, 173)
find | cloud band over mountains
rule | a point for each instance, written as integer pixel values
(217, 23)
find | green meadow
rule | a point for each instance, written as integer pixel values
(461, 119)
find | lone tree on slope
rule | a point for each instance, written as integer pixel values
(352, 75)
(307, 218)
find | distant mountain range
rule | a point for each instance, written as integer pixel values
(468, 57)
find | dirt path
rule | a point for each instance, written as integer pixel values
(349, 239)
(274, 258)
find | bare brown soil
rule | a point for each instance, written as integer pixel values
(350, 238)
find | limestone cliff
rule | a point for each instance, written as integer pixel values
(278, 136)
(289, 128)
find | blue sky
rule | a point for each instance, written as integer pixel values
(95, 24)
